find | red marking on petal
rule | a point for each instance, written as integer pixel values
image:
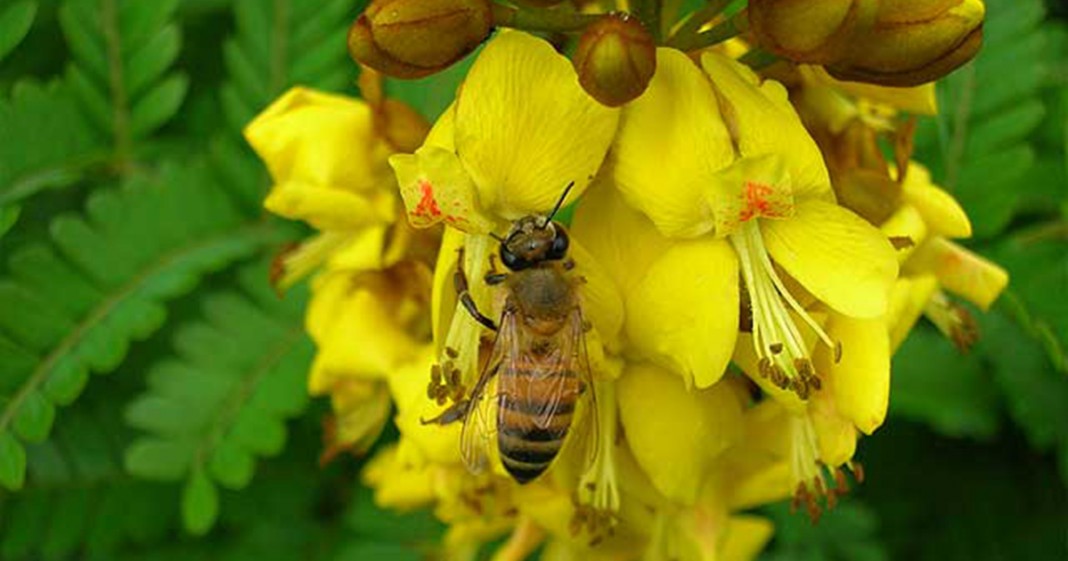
(758, 204)
(428, 206)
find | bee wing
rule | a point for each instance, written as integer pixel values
(588, 430)
(479, 427)
(546, 387)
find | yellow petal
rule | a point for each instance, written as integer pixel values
(358, 419)
(602, 304)
(356, 332)
(683, 315)
(676, 450)
(436, 188)
(443, 293)
(960, 271)
(907, 301)
(835, 255)
(917, 99)
(671, 142)
(362, 250)
(397, 485)
(329, 208)
(836, 436)
(320, 139)
(909, 226)
(763, 122)
(860, 380)
(942, 213)
(442, 134)
(525, 128)
(625, 242)
(327, 162)
(745, 537)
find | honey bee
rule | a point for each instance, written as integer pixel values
(539, 356)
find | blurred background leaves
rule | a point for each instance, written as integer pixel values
(133, 246)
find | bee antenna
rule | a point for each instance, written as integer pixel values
(496, 237)
(559, 203)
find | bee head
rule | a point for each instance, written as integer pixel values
(533, 239)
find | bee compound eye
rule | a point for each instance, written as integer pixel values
(560, 244)
(512, 261)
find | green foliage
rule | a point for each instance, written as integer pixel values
(48, 143)
(15, 22)
(847, 532)
(979, 146)
(78, 497)
(935, 384)
(122, 51)
(276, 45)
(73, 305)
(224, 399)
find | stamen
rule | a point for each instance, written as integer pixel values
(597, 502)
(953, 320)
(783, 356)
(815, 481)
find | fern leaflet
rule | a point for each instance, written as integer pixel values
(224, 399)
(979, 146)
(73, 305)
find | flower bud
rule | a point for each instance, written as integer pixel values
(888, 42)
(615, 59)
(811, 31)
(416, 38)
(914, 42)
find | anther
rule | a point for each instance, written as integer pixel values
(775, 348)
(837, 352)
(451, 352)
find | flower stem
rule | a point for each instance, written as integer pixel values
(541, 20)
(732, 27)
(697, 19)
(648, 11)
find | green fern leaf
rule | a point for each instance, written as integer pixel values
(277, 45)
(224, 399)
(980, 145)
(9, 215)
(78, 498)
(283, 43)
(122, 54)
(47, 143)
(15, 23)
(74, 305)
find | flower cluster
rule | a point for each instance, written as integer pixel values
(710, 327)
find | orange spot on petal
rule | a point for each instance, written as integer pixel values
(428, 206)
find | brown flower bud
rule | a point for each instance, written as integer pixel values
(416, 38)
(913, 44)
(888, 42)
(615, 59)
(810, 31)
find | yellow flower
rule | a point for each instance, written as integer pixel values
(520, 131)
(327, 162)
(751, 174)
(932, 264)
(327, 156)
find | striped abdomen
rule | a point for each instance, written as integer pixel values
(535, 407)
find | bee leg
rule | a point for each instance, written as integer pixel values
(459, 281)
(455, 412)
(493, 277)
